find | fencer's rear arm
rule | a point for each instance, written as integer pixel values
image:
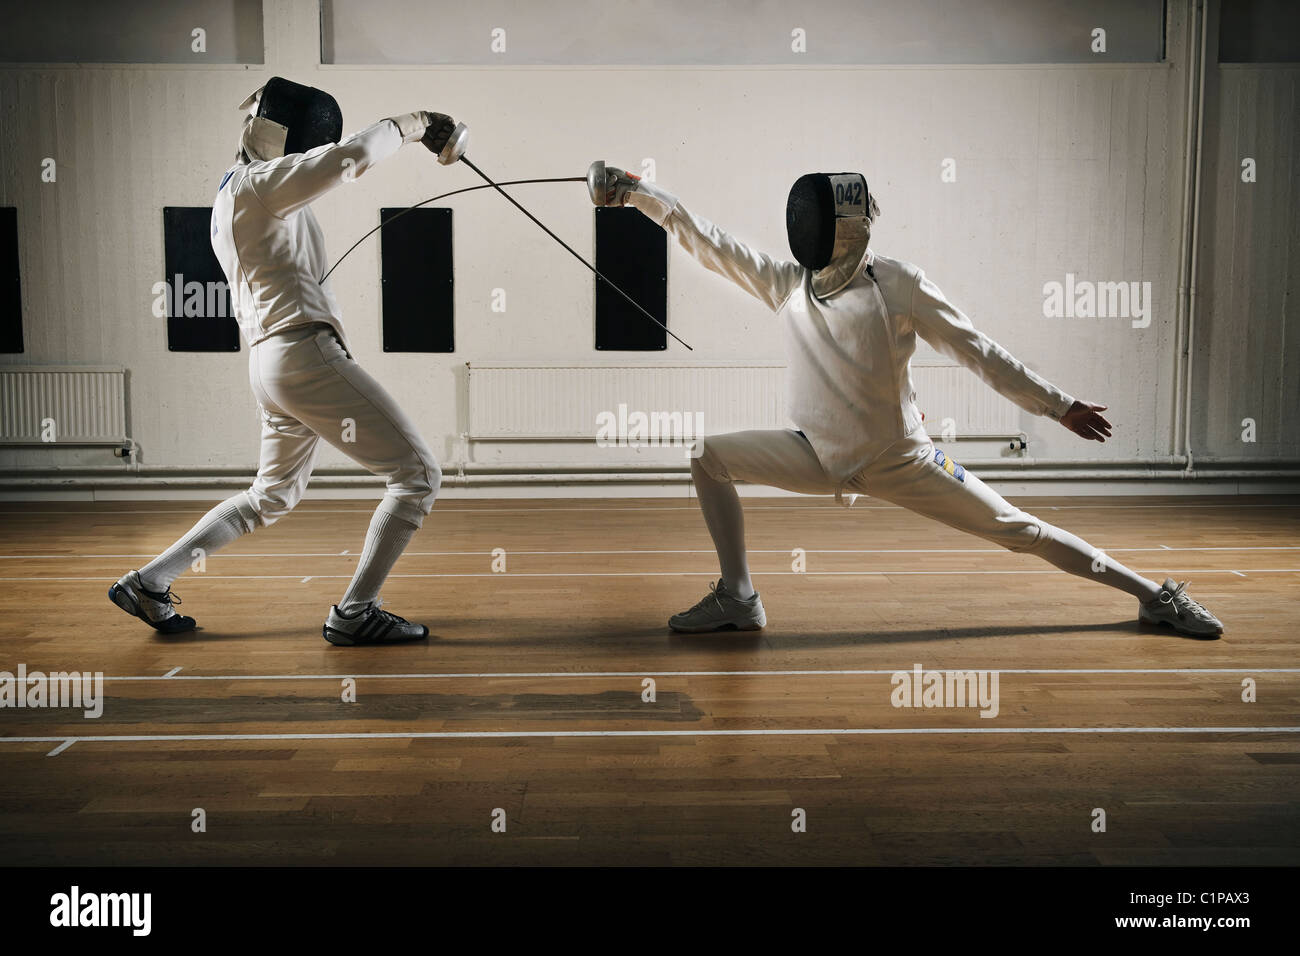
(291, 182)
(949, 331)
(769, 280)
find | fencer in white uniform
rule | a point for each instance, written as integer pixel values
(307, 385)
(849, 320)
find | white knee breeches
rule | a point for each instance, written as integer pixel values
(310, 388)
(911, 473)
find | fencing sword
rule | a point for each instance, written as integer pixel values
(454, 192)
(595, 271)
(453, 151)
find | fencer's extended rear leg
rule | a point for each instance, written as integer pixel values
(921, 479)
(288, 453)
(227, 522)
(147, 593)
(1075, 556)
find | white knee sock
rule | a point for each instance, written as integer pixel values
(216, 529)
(1071, 553)
(726, 522)
(385, 541)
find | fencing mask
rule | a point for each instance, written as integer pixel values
(286, 117)
(828, 218)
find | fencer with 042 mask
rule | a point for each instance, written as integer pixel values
(849, 321)
(307, 384)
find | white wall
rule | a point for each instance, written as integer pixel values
(1061, 169)
(1247, 357)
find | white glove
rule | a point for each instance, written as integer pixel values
(412, 125)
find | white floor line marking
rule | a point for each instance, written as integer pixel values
(68, 742)
(434, 554)
(729, 732)
(650, 672)
(660, 574)
(172, 673)
(305, 580)
(1238, 574)
(106, 513)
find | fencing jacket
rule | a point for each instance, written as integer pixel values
(849, 383)
(268, 241)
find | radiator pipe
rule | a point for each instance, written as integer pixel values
(1189, 340)
(586, 474)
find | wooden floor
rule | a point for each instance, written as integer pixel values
(528, 699)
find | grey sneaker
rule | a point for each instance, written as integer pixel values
(370, 625)
(720, 611)
(149, 606)
(1175, 607)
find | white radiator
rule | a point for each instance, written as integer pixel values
(544, 402)
(52, 404)
(954, 400)
(562, 402)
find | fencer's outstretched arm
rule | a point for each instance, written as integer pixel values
(949, 331)
(291, 182)
(769, 280)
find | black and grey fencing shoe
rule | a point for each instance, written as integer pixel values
(153, 608)
(719, 610)
(370, 625)
(1175, 607)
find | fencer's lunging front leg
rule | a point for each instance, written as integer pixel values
(726, 523)
(386, 539)
(781, 457)
(732, 603)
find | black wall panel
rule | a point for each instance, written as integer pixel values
(632, 252)
(11, 299)
(417, 278)
(199, 319)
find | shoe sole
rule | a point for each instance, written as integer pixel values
(713, 628)
(122, 598)
(1160, 622)
(337, 638)
(343, 639)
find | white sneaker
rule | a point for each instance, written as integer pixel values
(719, 610)
(1175, 607)
(370, 625)
(149, 606)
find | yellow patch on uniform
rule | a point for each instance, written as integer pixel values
(948, 465)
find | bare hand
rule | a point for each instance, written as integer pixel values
(1086, 421)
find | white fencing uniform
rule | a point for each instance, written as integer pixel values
(911, 473)
(306, 383)
(850, 393)
(308, 386)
